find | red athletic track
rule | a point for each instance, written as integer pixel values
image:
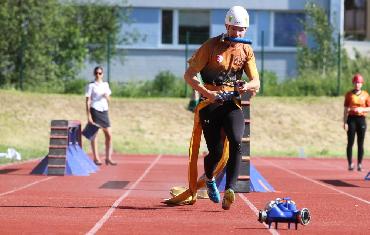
(34, 204)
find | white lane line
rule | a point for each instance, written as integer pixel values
(264, 186)
(104, 219)
(26, 186)
(254, 209)
(317, 182)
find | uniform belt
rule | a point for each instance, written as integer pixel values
(226, 88)
(225, 93)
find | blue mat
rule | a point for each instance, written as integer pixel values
(257, 182)
(78, 163)
(367, 177)
(41, 168)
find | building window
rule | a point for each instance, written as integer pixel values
(287, 28)
(263, 25)
(195, 24)
(167, 23)
(355, 19)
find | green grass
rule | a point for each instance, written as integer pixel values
(281, 126)
(26, 153)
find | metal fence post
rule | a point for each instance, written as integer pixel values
(21, 62)
(186, 59)
(262, 59)
(108, 56)
(339, 65)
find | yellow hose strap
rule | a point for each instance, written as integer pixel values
(177, 190)
(189, 196)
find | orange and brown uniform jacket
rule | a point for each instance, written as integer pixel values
(354, 101)
(218, 62)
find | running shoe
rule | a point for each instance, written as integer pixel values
(212, 191)
(359, 167)
(351, 167)
(229, 198)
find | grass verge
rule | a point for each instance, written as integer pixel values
(281, 126)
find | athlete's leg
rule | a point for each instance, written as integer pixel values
(234, 128)
(213, 137)
(94, 148)
(108, 146)
(350, 140)
(360, 130)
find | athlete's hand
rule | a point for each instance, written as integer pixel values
(213, 96)
(241, 86)
(345, 126)
(244, 87)
(359, 110)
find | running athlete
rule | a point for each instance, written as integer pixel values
(356, 106)
(221, 64)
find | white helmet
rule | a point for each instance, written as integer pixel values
(237, 16)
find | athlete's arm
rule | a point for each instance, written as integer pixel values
(88, 105)
(345, 117)
(191, 78)
(253, 85)
(361, 109)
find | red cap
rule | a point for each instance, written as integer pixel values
(357, 78)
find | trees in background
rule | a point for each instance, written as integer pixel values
(317, 50)
(43, 44)
(324, 67)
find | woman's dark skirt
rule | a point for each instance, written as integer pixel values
(100, 118)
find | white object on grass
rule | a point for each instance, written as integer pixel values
(11, 154)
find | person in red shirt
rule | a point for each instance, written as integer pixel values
(356, 106)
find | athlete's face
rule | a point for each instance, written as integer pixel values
(357, 85)
(99, 74)
(236, 31)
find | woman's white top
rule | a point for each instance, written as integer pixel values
(96, 90)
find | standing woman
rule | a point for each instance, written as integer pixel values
(97, 100)
(356, 106)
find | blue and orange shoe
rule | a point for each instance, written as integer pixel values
(212, 191)
(229, 198)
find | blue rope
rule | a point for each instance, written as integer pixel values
(241, 40)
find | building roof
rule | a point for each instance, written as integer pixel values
(213, 4)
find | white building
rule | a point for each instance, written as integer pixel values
(164, 23)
